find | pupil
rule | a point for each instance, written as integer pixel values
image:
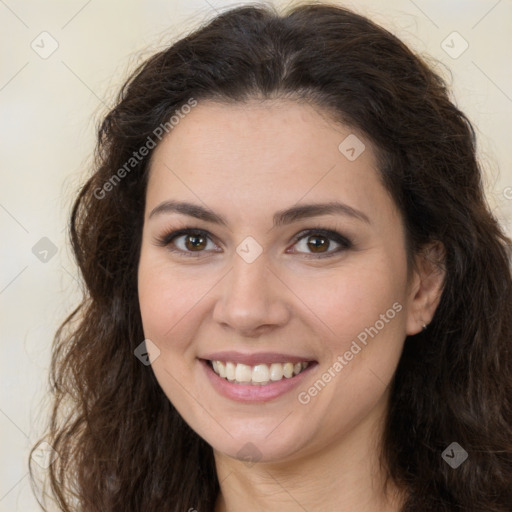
(195, 241)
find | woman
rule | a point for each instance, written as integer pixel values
(297, 297)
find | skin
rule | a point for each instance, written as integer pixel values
(246, 162)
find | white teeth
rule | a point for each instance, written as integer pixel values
(230, 371)
(221, 369)
(243, 373)
(288, 370)
(276, 371)
(259, 374)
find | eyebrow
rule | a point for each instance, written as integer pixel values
(282, 217)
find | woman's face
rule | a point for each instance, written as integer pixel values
(304, 309)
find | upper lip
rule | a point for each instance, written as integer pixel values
(256, 358)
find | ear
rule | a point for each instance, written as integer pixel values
(426, 286)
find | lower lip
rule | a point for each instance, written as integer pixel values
(253, 393)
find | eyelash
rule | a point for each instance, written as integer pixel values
(345, 243)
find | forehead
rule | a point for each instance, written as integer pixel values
(271, 130)
(260, 153)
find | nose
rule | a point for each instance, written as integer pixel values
(253, 299)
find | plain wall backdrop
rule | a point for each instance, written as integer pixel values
(61, 64)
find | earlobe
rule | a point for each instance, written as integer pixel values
(426, 287)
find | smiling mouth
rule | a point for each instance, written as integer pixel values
(259, 374)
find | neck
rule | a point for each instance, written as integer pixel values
(346, 476)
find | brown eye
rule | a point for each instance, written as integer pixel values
(313, 242)
(188, 242)
(318, 244)
(195, 242)
(321, 242)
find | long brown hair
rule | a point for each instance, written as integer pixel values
(121, 443)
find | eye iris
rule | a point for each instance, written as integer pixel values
(321, 243)
(198, 242)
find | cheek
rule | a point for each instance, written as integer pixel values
(364, 313)
(174, 301)
(165, 300)
(370, 318)
(356, 297)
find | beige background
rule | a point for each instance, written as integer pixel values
(50, 107)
